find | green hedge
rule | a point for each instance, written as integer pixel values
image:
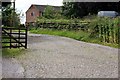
(72, 24)
(104, 28)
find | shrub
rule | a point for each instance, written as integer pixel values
(105, 28)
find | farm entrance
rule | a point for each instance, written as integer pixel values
(14, 37)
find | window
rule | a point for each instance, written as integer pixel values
(41, 13)
(32, 14)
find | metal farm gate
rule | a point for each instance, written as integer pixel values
(14, 38)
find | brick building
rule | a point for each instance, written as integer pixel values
(35, 11)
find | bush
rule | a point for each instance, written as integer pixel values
(105, 28)
(71, 24)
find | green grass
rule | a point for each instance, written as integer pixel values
(78, 35)
(6, 52)
(71, 34)
(12, 52)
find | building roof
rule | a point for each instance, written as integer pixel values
(5, 3)
(91, 0)
(7, 0)
(42, 7)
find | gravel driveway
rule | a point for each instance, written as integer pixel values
(60, 57)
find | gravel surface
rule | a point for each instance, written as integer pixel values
(11, 68)
(60, 57)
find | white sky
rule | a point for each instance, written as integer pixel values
(23, 5)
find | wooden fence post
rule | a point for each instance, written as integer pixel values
(26, 38)
(19, 38)
(10, 38)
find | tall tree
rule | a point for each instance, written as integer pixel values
(51, 13)
(81, 9)
(10, 17)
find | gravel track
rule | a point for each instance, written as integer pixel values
(59, 57)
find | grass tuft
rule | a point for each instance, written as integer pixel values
(12, 52)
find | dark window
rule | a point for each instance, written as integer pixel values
(41, 13)
(32, 14)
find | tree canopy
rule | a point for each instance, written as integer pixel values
(81, 9)
(10, 17)
(50, 13)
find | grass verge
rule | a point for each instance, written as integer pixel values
(12, 52)
(78, 35)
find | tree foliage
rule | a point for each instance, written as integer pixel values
(10, 17)
(50, 13)
(81, 9)
(73, 10)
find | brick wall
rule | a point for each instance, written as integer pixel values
(32, 14)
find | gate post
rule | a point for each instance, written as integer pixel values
(0, 38)
(26, 38)
(10, 38)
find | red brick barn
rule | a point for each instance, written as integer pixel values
(35, 11)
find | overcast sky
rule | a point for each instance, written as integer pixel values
(23, 5)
